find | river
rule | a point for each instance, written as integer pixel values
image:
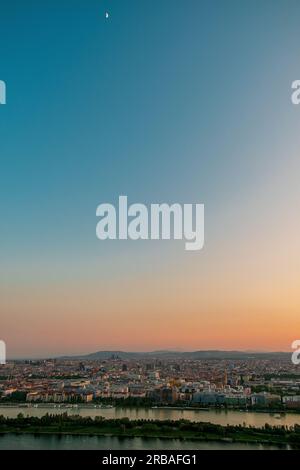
(222, 417)
(52, 442)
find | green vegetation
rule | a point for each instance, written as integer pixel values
(15, 397)
(181, 429)
(282, 376)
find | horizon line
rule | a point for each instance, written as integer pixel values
(112, 351)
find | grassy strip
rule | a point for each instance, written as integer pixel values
(181, 429)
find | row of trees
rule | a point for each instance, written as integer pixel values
(67, 422)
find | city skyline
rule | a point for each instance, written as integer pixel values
(179, 353)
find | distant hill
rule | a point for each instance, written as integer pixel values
(210, 354)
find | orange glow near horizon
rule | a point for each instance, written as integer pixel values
(241, 292)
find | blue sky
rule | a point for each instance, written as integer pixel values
(164, 101)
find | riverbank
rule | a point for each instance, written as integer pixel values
(215, 416)
(233, 409)
(279, 411)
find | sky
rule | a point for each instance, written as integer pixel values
(163, 101)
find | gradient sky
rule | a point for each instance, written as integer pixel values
(165, 101)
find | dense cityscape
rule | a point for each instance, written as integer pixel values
(254, 384)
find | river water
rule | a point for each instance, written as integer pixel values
(214, 416)
(52, 442)
(12, 441)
